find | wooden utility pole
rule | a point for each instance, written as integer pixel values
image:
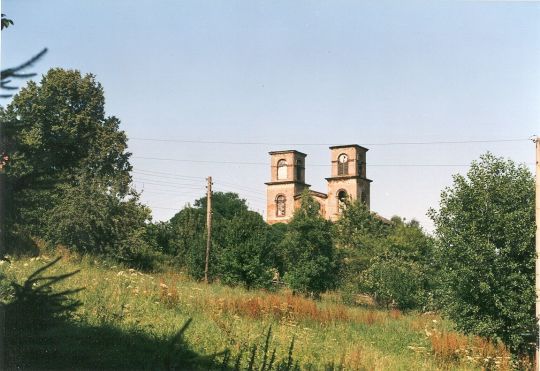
(208, 225)
(537, 276)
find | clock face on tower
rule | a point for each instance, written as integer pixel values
(343, 158)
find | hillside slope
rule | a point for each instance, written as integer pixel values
(128, 320)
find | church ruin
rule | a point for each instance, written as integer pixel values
(347, 181)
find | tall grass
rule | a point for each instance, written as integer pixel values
(128, 315)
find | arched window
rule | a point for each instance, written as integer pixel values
(342, 199)
(343, 164)
(282, 170)
(280, 205)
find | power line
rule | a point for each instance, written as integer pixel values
(161, 182)
(166, 192)
(325, 165)
(251, 194)
(329, 144)
(139, 179)
(201, 161)
(161, 172)
(166, 208)
(241, 187)
(165, 185)
(175, 176)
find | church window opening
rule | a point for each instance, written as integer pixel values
(359, 165)
(299, 170)
(342, 200)
(280, 205)
(343, 164)
(282, 169)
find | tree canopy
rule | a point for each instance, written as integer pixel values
(241, 244)
(486, 228)
(69, 171)
(310, 259)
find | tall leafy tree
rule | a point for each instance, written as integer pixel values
(69, 167)
(389, 260)
(244, 254)
(360, 235)
(310, 259)
(401, 273)
(240, 241)
(485, 228)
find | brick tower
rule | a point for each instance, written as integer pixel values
(287, 181)
(348, 180)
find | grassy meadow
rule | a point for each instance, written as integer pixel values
(131, 320)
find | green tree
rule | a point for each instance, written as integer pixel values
(277, 257)
(310, 263)
(402, 273)
(360, 235)
(485, 228)
(188, 240)
(188, 229)
(394, 279)
(390, 260)
(240, 252)
(69, 169)
(244, 253)
(91, 219)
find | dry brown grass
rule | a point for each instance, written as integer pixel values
(282, 306)
(289, 307)
(395, 314)
(452, 347)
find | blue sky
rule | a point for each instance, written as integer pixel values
(298, 72)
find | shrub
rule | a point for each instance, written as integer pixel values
(393, 280)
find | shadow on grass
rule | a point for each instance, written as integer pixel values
(68, 346)
(39, 333)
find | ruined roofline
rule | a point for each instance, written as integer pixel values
(341, 177)
(287, 151)
(349, 146)
(312, 192)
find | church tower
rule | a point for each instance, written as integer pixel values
(287, 180)
(348, 180)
